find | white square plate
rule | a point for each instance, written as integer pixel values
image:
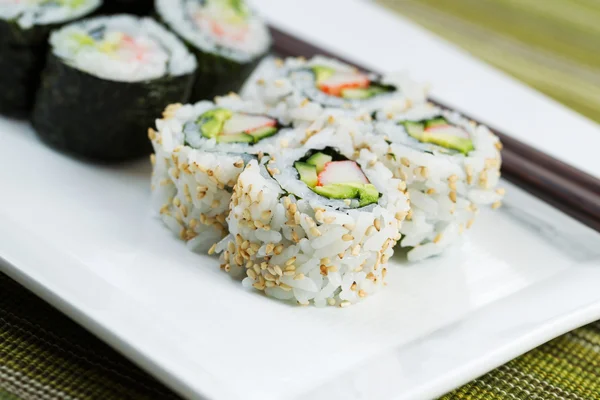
(83, 237)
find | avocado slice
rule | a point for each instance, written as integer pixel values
(307, 172)
(357, 94)
(337, 191)
(319, 160)
(414, 129)
(368, 195)
(464, 145)
(322, 72)
(435, 122)
(262, 133)
(237, 138)
(212, 121)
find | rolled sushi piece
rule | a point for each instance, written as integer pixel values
(228, 38)
(314, 225)
(137, 7)
(451, 167)
(200, 150)
(24, 30)
(331, 84)
(105, 81)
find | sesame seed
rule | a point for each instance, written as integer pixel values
(289, 273)
(362, 293)
(496, 205)
(215, 203)
(405, 161)
(349, 226)
(269, 277)
(370, 230)
(345, 304)
(400, 215)
(498, 145)
(347, 202)
(332, 268)
(151, 134)
(347, 237)
(259, 286)
(377, 224)
(452, 196)
(269, 248)
(470, 223)
(331, 301)
(315, 232)
(251, 274)
(278, 249)
(329, 220)
(258, 224)
(285, 287)
(356, 250)
(212, 249)
(384, 272)
(227, 268)
(304, 102)
(299, 277)
(430, 191)
(437, 238)
(501, 191)
(278, 270)
(290, 261)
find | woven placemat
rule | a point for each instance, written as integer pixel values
(45, 355)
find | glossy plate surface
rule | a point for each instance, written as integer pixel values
(83, 237)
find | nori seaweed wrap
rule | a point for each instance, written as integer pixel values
(227, 37)
(137, 7)
(24, 30)
(105, 81)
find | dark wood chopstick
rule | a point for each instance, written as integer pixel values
(567, 188)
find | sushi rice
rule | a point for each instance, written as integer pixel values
(446, 187)
(192, 185)
(296, 245)
(294, 81)
(44, 12)
(122, 48)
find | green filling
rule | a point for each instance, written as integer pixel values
(365, 192)
(308, 171)
(322, 73)
(363, 93)
(418, 130)
(319, 160)
(211, 122)
(262, 133)
(211, 125)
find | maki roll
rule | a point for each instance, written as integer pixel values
(24, 30)
(228, 38)
(138, 7)
(314, 224)
(332, 84)
(105, 80)
(200, 150)
(451, 167)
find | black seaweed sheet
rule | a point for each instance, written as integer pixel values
(99, 119)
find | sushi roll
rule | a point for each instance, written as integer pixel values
(105, 81)
(228, 38)
(451, 166)
(199, 152)
(314, 224)
(331, 84)
(137, 7)
(24, 30)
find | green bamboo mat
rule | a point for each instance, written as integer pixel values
(44, 355)
(552, 45)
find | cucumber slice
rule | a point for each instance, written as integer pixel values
(322, 73)
(337, 191)
(319, 160)
(237, 138)
(414, 129)
(357, 94)
(307, 172)
(262, 133)
(435, 122)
